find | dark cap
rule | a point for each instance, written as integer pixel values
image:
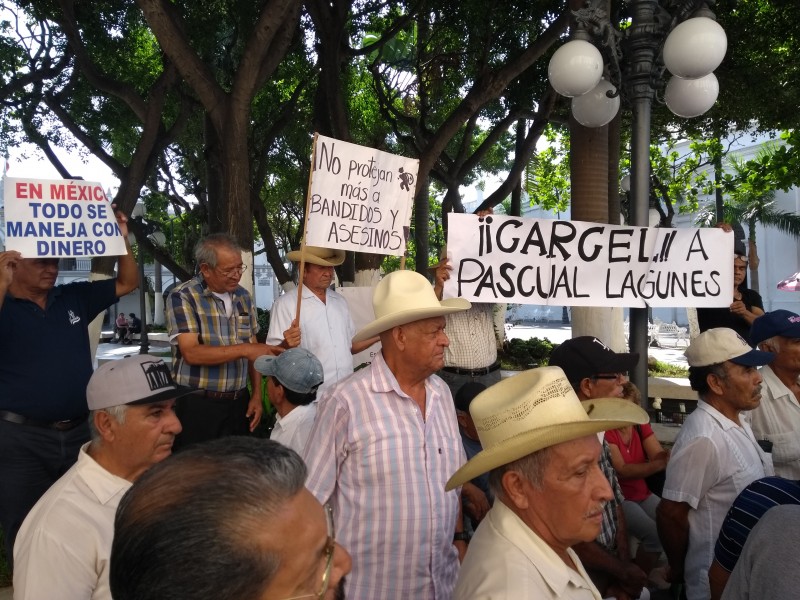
(466, 393)
(777, 322)
(585, 356)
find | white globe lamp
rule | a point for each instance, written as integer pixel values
(595, 108)
(695, 48)
(575, 68)
(691, 97)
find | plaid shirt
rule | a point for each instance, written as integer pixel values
(473, 344)
(608, 530)
(193, 308)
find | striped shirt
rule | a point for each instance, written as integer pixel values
(755, 500)
(473, 344)
(383, 469)
(193, 308)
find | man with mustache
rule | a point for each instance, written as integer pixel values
(64, 545)
(715, 455)
(542, 454)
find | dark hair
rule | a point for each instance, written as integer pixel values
(698, 377)
(185, 528)
(296, 398)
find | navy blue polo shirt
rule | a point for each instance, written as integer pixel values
(45, 358)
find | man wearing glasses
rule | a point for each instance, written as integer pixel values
(596, 371)
(212, 325)
(228, 520)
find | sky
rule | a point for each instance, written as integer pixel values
(29, 162)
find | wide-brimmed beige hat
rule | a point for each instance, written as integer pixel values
(404, 297)
(534, 410)
(316, 255)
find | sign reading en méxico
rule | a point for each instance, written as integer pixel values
(60, 218)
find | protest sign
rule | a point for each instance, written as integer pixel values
(573, 263)
(360, 198)
(60, 219)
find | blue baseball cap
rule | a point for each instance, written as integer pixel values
(296, 369)
(777, 322)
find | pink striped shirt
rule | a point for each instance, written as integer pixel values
(383, 469)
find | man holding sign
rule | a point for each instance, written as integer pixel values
(43, 334)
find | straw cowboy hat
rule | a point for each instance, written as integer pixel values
(316, 255)
(534, 410)
(404, 297)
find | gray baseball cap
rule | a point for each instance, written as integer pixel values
(140, 379)
(296, 369)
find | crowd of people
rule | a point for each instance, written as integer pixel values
(421, 476)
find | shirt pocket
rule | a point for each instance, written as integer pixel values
(786, 446)
(243, 331)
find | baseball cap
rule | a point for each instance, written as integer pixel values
(720, 344)
(141, 379)
(466, 393)
(296, 369)
(777, 322)
(586, 355)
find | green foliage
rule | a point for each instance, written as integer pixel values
(657, 368)
(520, 354)
(547, 176)
(263, 324)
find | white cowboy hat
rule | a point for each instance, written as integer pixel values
(404, 297)
(316, 255)
(534, 410)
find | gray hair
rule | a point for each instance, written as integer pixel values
(205, 251)
(117, 413)
(531, 467)
(772, 344)
(186, 528)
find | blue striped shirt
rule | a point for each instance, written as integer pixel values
(755, 500)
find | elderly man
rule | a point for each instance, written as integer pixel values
(64, 545)
(542, 454)
(715, 455)
(228, 520)
(212, 325)
(326, 327)
(44, 335)
(596, 371)
(777, 418)
(383, 444)
(293, 380)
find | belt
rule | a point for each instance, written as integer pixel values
(473, 372)
(225, 395)
(64, 425)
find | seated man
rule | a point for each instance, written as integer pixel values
(134, 325)
(228, 519)
(541, 451)
(294, 377)
(64, 545)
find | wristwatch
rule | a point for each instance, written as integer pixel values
(461, 536)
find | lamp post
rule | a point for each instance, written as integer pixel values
(151, 231)
(694, 46)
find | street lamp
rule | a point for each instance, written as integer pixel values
(695, 45)
(145, 229)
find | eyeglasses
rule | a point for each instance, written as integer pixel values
(236, 272)
(610, 376)
(329, 550)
